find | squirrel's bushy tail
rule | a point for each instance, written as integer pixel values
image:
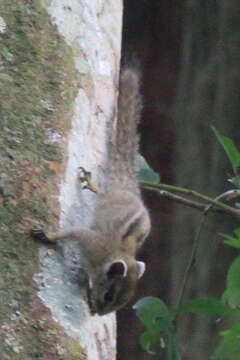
(129, 112)
(127, 139)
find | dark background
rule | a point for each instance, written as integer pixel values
(189, 55)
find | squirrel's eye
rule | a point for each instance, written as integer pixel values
(109, 295)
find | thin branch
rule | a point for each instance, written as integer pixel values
(182, 200)
(191, 263)
(209, 205)
(192, 260)
(170, 188)
(231, 194)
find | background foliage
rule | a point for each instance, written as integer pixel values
(161, 322)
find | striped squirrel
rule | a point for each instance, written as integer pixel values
(120, 220)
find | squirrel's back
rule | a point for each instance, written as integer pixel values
(126, 142)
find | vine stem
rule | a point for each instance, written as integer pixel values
(210, 204)
(196, 244)
(191, 262)
(225, 208)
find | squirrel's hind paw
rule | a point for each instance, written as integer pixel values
(39, 235)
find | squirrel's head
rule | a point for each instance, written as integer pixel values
(113, 285)
(110, 247)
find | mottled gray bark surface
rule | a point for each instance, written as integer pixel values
(59, 78)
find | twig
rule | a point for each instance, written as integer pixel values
(192, 260)
(210, 204)
(191, 263)
(231, 194)
(182, 200)
(170, 188)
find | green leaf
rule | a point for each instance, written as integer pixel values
(234, 331)
(230, 149)
(145, 172)
(237, 232)
(231, 241)
(152, 311)
(229, 348)
(232, 294)
(235, 181)
(155, 315)
(150, 342)
(206, 306)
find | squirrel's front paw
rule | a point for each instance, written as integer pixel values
(85, 178)
(39, 235)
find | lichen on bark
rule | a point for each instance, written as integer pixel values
(37, 88)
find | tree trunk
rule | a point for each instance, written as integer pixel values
(59, 73)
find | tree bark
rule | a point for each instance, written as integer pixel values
(59, 74)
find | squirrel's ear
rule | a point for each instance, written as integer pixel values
(141, 268)
(117, 269)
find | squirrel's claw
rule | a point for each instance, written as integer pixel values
(86, 179)
(39, 235)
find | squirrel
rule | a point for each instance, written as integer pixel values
(120, 221)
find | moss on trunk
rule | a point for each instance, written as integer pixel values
(36, 92)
